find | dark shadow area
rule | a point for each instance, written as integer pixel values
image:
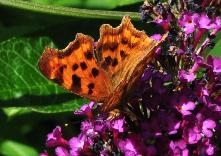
(32, 128)
(33, 100)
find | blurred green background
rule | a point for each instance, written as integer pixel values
(30, 105)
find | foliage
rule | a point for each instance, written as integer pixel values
(28, 102)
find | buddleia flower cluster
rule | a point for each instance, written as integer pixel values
(176, 107)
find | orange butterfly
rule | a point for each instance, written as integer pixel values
(107, 74)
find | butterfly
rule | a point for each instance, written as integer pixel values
(106, 72)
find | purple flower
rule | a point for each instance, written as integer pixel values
(200, 60)
(55, 138)
(147, 74)
(118, 125)
(164, 22)
(45, 153)
(61, 151)
(129, 147)
(186, 107)
(88, 129)
(192, 127)
(104, 152)
(206, 148)
(215, 63)
(217, 24)
(214, 105)
(79, 144)
(192, 135)
(157, 127)
(76, 146)
(207, 128)
(156, 37)
(205, 22)
(189, 22)
(180, 52)
(99, 125)
(210, 150)
(158, 85)
(171, 124)
(179, 148)
(186, 76)
(86, 109)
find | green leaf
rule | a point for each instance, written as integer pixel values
(66, 11)
(74, 103)
(23, 86)
(106, 4)
(216, 51)
(14, 111)
(19, 74)
(12, 148)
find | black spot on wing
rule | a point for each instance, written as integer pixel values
(59, 74)
(110, 46)
(90, 91)
(83, 65)
(88, 55)
(115, 62)
(124, 40)
(108, 60)
(113, 46)
(122, 54)
(90, 86)
(61, 68)
(95, 72)
(75, 66)
(76, 82)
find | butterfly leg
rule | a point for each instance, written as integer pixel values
(113, 114)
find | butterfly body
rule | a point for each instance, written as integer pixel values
(108, 74)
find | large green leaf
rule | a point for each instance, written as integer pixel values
(106, 4)
(66, 11)
(12, 148)
(22, 85)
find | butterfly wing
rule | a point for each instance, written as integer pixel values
(109, 74)
(124, 53)
(120, 49)
(76, 69)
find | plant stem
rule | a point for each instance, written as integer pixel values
(67, 11)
